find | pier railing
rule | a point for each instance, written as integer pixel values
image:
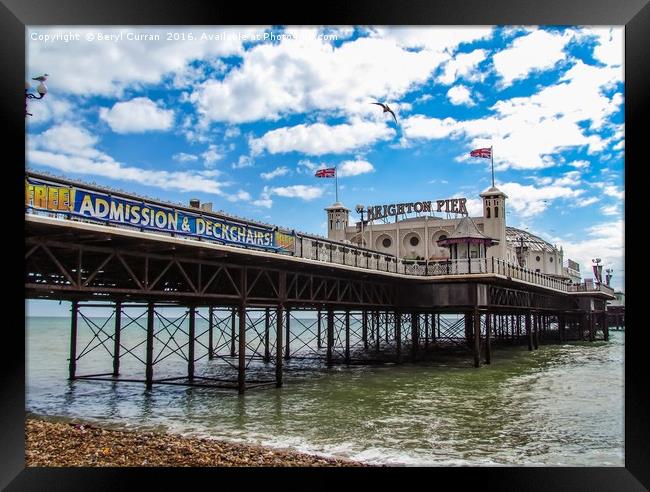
(321, 249)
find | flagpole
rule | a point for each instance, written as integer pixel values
(492, 157)
(336, 178)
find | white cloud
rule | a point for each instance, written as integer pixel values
(527, 200)
(211, 155)
(264, 200)
(183, 157)
(610, 190)
(303, 192)
(580, 164)
(319, 139)
(539, 50)
(586, 202)
(605, 241)
(137, 116)
(72, 150)
(611, 210)
(460, 94)
(108, 68)
(278, 171)
(463, 65)
(530, 132)
(353, 168)
(305, 74)
(243, 161)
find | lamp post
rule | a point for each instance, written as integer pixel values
(41, 89)
(608, 275)
(598, 269)
(359, 209)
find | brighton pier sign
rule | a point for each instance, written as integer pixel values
(450, 205)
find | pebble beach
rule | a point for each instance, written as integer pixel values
(72, 444)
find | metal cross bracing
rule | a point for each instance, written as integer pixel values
(58, 269)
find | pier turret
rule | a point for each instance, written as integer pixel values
(337, 221)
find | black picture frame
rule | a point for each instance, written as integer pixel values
(634, 14)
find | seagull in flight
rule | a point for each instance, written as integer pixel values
(386, 109)
(41, 78)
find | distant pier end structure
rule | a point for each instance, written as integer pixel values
(251, 297)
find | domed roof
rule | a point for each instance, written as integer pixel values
(531, 241)
(493, 191)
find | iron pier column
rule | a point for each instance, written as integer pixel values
(488, 328)
(477, 337)
(347, 336)
(72, 367)
(232, 332)
(279, 317)
(118, 333)
(398, 335)
(149, 359)
(287, 334)
(426, 330)
(415, 338)
(364, 328)
(529, 331)
(605, 321)
(241, 367)
(210, 332)
(536, 331)
(318, 332)
(560, 327)
(190, 347)
(267, 324)
(330, 334)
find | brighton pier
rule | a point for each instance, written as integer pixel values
(262, 304)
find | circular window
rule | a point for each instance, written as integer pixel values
(386, 242)
(551, 259)
(414, 241)
(442, 237)
(537, 258)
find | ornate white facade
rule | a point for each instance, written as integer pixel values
(416, 237)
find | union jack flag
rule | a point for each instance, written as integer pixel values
(487, 153)
(329, 172)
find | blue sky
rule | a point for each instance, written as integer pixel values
(242, 117)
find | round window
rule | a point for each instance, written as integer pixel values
(442, 237)
(537, 258)
(414, 241)
(551, 259)
(386, 242)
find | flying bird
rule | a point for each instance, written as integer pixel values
(386, 109)
(41, 78)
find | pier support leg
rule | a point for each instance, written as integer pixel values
(347, 336)
(437, 327)
(330, 335)
(536, 331)
(318, 332)
(190, 344)
(377, 337)
(605, 327)
(415, 335)
(267, 326)
(279, 317)
(386, 327)
(398, 335)
(210, 333)
(241, 366)
(469, 328)
(364, 328)
(488, 329)
(529, 331)
(72, 367)
(561, 327)
(591, 323)
(477, 337)
(116, 339)
(287, 334)
(149, 350)
(232, 332)
(426, 330)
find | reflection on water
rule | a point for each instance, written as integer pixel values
(560, 405)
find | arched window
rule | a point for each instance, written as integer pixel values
(488, 212)
(496, 212)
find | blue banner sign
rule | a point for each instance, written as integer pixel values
(103, 206)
